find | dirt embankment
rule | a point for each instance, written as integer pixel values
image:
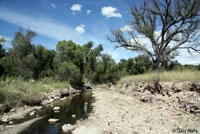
(134, 108)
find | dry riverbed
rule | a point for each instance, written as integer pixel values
(116, 113)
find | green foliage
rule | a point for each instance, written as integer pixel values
(69, 72)
(137, 65)
(106, 70)
(2, 50)
(71, 63)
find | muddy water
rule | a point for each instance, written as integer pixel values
(79, 105)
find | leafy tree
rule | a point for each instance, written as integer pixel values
(91, 62)
(2, 50)
(21, 53)
(2, 53)
(71, 52)
(175, 65)
(179, 24)
(7, 68)
(106, 70)
(69, 72)
(45, 61)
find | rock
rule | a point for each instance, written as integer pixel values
(32, 113)
(5, 119)
(50, 100)
(10, 122)
(64, 98)
(56, 108)
(73, 116)
(56, 97)
(12, 110)
(39, 107)
(86, 86)
(146, 99)
(53, 120)
(67, 128)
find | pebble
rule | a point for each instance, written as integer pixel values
(56, 108)
(12, 110)
(10, 122)
(73, 116)
(67, 127)
(5, 120)
(53, 120)
(32, 113)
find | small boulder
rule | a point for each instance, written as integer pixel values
(53, 120)
(64, 98)
(73, 116)
(5, 119)
(12, 110)
(32, 113)
(56, 108)
(39, 107)
(67, 127)
(10, 122)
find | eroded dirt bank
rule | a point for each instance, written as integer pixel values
(131, 110)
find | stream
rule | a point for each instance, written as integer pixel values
(79, 105)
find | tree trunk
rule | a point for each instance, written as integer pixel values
(157, 64)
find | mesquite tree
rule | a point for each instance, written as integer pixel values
(165, 25)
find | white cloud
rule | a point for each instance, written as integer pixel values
(88, 12)
(6, 38)
(80, 29)
(76, 7)
(52, 5)
(110, 12)
(42, 26)
(127, 28)
(187, 58)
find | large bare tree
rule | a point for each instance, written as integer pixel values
(168, 25)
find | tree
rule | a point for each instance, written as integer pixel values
(69, 72)
(22, 54)
(168, 25)
(106, 70)
(2, 54)
(2, 50)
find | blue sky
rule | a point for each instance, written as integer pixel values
(78, 20)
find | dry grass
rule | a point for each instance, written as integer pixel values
(14, 91)
(17, 91)
(172, 76)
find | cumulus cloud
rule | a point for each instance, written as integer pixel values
(52, 5)
(88, 12)
(126, 28)
(110, 12)
(80, 29)
(76, 7)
